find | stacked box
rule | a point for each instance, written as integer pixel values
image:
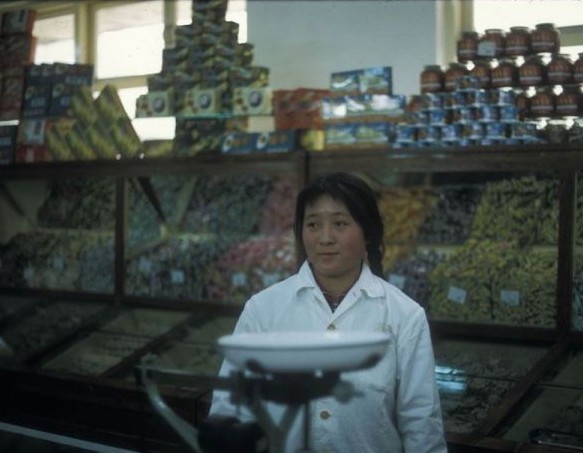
(357, 98)
(7, 144)
(263, 142)
(65, 82)
(298, 109)
(17, 48)
(37, 91)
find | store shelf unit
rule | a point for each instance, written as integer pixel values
(382, 168)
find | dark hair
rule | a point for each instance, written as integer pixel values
(361, 202)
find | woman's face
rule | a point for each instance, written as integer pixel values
(333, 240)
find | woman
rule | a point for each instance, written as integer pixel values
(339, 236)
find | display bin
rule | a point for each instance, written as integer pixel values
(189, 239)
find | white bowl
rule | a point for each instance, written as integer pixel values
(299, 352)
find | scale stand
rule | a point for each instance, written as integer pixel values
(295, 390)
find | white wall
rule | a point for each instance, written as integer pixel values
(303, 42)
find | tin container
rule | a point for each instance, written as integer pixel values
(438, 117)
(578, 69)
(496, 130)
(545, 38)
(509, 113)
(406, 133)
(560, 70)
(467, 46)
(532, 73)
(451, 132)
(505, 74)
(482, 70)
(453, 73)
(489, 113)
(473, 130)
(542, 104)
(432, 101)
(465, 114)
(432, 79)
(492, 43)
(569, 102)
(518, 42)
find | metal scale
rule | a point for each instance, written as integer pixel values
(291, 368)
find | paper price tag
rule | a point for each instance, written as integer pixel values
(397, 280)
(145, 265)
(177, 277)
(29, 273)
(58, 263)
(457, 295)
(511, 298)
(239, 279)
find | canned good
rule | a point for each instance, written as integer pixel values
(491, 43)
(518, 42)
(432, 101)
(467, 46)
(578, 69)
(465, 114)
(432, 79)
(473, 130)
(569, 102)
(482, 70)
(438, 117)
(532, 72)
(545, 38)
(406, 133)
(560, 69)
(509, 113)
(495, 130)
(429, 134)
(467, 82)
(452, 74)
(542, 104)
(489, 113)
(480, 97)
(451, 132)
(505, 74)
(503, 97)
(524, 130)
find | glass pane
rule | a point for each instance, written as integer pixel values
(183, 12)
(553, 406)
(130, 39)
(71, 247)
(504, 14)
(216, 249)
(473, 376)
(56, 39)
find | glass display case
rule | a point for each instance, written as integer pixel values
(107, 262)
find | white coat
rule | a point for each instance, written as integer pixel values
(399, 409)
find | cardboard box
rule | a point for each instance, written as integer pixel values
(252, 101)
(7, 144)
(16, 22)
(276, 141)
(66, 80)
(239, 142)
(37, 91)
(203, 102)
(32, 153)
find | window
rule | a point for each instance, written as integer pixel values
(130, 39)
(56, 39)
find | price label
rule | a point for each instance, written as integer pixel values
(397, 280)
(511, 298)
(239, 279)
(270, 279)
(145, 265)
(29, 273)
(58, 263)
(457, 295)
(177, 277)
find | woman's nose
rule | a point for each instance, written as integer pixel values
(326, 234)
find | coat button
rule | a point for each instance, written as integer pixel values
(331, 327)
(325, 415)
